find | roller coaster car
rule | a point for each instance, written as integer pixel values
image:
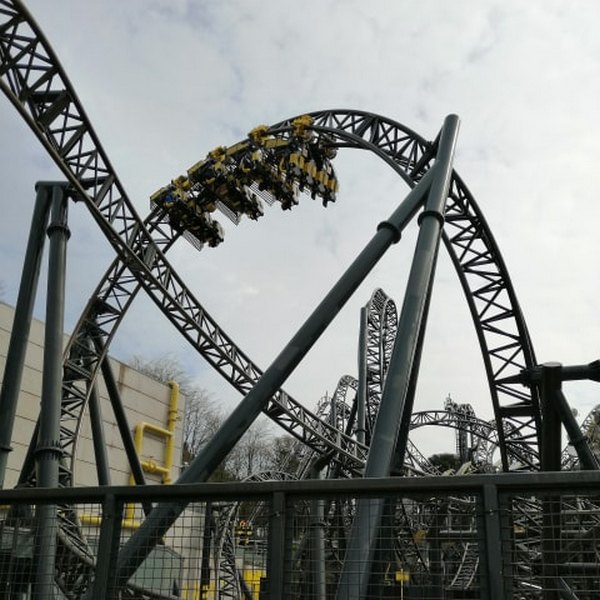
(164, 198)
(300, 127)
(207, 230)
(327, 184)
(288, 196)
(195, 171)
(177, 190)
(282, 188)
(308, 166)
(270, 166)
(254, 207)
(294, 165)
(231, 192)
(257, 134)
(244, 533)
(185, 214)
(243, 202)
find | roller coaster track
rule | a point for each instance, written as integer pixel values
(382, 326)
(485, 432)
(32, 79)
(340, 409)
(338, 413)
(227, 583)
(589, 428)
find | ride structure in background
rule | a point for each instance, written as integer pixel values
(364, 429)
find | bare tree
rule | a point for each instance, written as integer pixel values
(257, 451)
(201, 418)
(252, 454)
(283, 454)
(201, 421)
(164, 369)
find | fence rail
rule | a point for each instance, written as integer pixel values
(522, 536)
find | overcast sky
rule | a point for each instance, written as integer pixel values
(164, 82)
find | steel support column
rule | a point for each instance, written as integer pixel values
(110, 532)
(98, 438)
(277, 547)
(19, 336)
(549, 384)
(164, 515)
(317, 533)
(490, 546)
(402, 441)
(97, 426)
(357, 564)
(361, 393)
(206, 544)
(48, 452)
(122, 422)
(586, 457)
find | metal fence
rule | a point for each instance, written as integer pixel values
(520, 536)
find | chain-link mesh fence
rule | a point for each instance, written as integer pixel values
(440, 538)
(551, 545)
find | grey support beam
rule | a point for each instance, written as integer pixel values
(48, 452)
(19, 336)
(355, 574)
(361, 394)
(164, 515)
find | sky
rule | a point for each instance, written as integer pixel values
(165, 81)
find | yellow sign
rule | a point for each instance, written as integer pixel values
(402, 576)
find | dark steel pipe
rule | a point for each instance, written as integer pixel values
(549, 384)
(48, 452)
(587, 459)
(492, 563)
(98, 439)
(121, 418)
(206, 543)
(19, 335)
(354, 578)
(402, 441)
(361, 394)
(163, 516)
(108, 545)
(569, 373)
(317, 529)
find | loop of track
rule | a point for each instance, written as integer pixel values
(382, 326)
(32, 79)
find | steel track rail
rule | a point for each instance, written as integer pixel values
(485, 431)
(227, 583)
(235, 366)
(33, 80)
(382, 326)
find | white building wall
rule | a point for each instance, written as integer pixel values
(144, 400)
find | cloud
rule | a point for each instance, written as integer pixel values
(165, 82)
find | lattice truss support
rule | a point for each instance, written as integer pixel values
(33, 80)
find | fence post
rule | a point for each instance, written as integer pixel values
(108, 549)
(491, 553)
(550, 458)
(277, 550)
